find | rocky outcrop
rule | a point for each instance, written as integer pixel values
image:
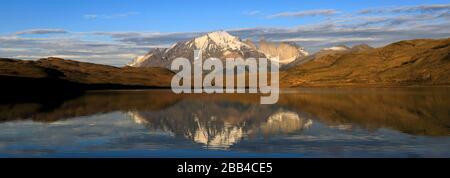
(283, 52)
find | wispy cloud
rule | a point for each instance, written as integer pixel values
(41, 31)
(252, 12)
(317, 12)
(109, 16)
(408, 9)
(76, 48)
(149, 38)
(328, 39)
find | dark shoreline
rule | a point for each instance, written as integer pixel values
(17, 88)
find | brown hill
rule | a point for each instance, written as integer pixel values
(404, 63)
(55, 73)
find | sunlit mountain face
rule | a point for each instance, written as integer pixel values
(158, 123)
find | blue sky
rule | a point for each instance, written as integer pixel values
(169, 15)
(135, 26)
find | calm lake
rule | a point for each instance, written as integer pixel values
(304, 123)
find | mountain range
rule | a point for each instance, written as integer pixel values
(221, 45)
(422, 62)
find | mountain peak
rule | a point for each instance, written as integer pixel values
(221, 35)
(220, 38)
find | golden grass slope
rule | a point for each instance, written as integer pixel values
(406, 63)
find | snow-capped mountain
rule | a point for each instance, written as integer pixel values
(215, 44)
(219, 39)
(222, 45)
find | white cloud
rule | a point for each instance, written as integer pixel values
(109, 16)
(41, 31)
(329, 40)
(252, 13)
(317, 12)
(408, 9)
(103, 52)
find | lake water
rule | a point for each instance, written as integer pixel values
(304, 123)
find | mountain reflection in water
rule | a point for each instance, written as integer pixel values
(310, 122)
(219, 125)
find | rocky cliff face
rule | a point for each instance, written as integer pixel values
(283, 52)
